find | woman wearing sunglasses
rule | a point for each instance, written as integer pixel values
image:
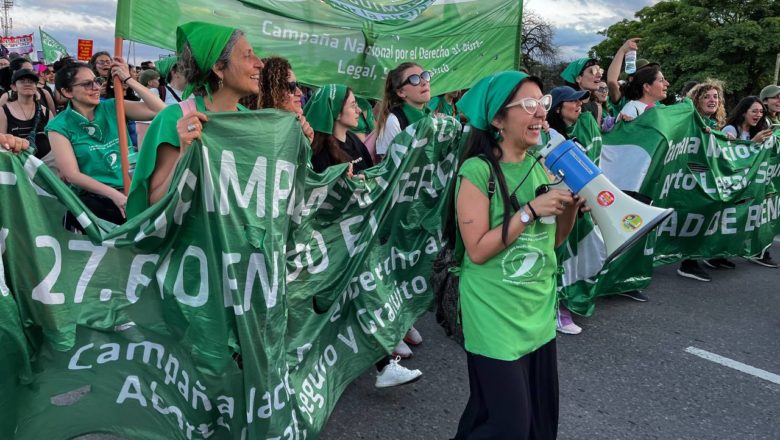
(585, 74)
(508, 272)
(407, 92)
(279, 89)
(85, 138)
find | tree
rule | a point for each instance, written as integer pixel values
(736, 41)
(537, 46)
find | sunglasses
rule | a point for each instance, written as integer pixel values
(596, 70)
(602, 90)
(415, 79)
(92, 84)
(530, 105)
(292, 86)
(103, 62)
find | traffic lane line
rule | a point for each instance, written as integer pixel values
(731, 363)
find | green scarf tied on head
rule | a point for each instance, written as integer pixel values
(481, 103)
(324, 107)
(207, 41)
(574, 69)
(165, 65)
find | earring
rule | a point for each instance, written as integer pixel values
(219, 84)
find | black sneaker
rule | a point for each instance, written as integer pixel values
(691, 269)
(635, 295)
(719, 263)
(764, 260)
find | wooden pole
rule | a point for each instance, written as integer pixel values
(777, 67)
(121, 122)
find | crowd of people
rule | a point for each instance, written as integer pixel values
(66, 114)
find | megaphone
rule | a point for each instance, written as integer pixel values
(623, 220)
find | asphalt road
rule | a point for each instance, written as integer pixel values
(627, 376)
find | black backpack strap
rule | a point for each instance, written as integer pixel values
(398, 111)
(491, 180)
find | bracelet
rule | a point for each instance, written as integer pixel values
(531, 208)
(124, 81)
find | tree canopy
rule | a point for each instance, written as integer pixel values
(736, 41)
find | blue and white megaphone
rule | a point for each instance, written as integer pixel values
(623, 220)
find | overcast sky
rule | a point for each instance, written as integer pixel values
(576, 22)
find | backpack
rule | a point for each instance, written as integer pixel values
(445, 280)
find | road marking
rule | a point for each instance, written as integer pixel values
(726, 362)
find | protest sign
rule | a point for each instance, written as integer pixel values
(239, 306)
(350, 42)
(85, 49)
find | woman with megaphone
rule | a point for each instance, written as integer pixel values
(508, 273)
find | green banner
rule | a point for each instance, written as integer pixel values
(725, 196)
(349, 41)
(53, 50)
(239, 306)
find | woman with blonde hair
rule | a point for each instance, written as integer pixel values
(707, 97)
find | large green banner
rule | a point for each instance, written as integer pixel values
(238, 307)
(725, 196)
(349, 41)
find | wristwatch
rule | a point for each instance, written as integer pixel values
(525, 218)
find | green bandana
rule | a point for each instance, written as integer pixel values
(207, 41)
(324, 107)
(481, 103)
(573, 70)
(366, 121)
(165, 65)
(414, 114)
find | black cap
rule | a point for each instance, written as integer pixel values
(24, 73)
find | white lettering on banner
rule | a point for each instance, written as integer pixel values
(767, 172)
(722, 222)
(97, 254)
(311, 267)
(208, 181)
(286, 191)
(230, 283)
(228, 177)
(357, 45)
(268, 28)
(687, 145)
(203, 277)
(136, 277)
(351, 239)
(316, 197)
(269, 287)
(190, 180)
(42, 292)
(733, 151)
(357, 72)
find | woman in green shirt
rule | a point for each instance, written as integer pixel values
(508, 272)
(221, 67)
(85, 139)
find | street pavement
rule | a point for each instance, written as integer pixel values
(627, 376)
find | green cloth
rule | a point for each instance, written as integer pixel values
(481, 103)
(440, 105)
(415, 114)
(324, 107)
(207, 41)
(508, 302)
(162, 130)
(165, 65)
(614, 108)
(366, 120)
(95, 143)
(574, 69)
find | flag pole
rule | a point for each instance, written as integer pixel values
(121, 123)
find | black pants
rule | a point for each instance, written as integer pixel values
(515, 400)
(101, 206)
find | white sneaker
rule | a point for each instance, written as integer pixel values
(565, 323)
(413, 337)
(395, 374)
(402, 351)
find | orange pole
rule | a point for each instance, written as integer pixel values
(121, 123)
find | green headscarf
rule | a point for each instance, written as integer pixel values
(207, 41)
(365, 122)
(483, 101)
(324, 107)
(574, 69)
(165, 65)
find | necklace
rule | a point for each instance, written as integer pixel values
(26, 117)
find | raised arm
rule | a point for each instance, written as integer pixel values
(616, 66)
(150, 105)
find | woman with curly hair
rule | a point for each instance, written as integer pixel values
(279, 89)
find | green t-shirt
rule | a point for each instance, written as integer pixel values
(508, 302)
(161, 131)
(440, 105)
(95, 143)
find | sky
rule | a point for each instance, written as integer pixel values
(576, 22)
